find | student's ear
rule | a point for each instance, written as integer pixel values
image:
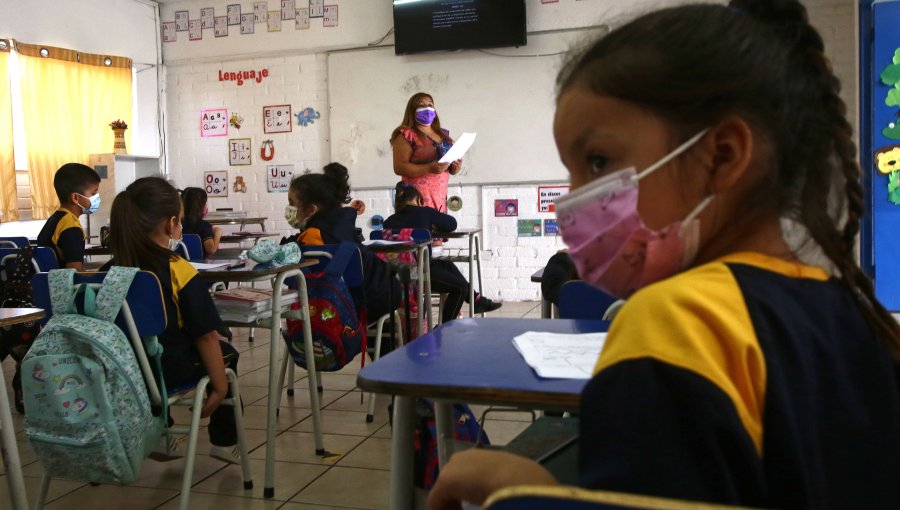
(171, 226)
(311, 210)
(726, 153)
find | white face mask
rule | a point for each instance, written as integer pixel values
(173, 243)
(290, 214)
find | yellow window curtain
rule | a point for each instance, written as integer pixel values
(68, 101)
(8, 205)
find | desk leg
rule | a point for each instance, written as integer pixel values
(10, 452)
(546, 308)
(472, 275)
(478, 264)
(427, 283)
(402, 491)
(420, 284)
(443, 421)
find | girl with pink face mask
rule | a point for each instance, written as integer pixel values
(735, 373)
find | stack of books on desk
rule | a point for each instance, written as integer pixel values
(226, 214)
(245, 304)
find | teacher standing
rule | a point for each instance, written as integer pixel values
(418, 143)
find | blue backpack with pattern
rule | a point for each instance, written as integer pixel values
(87, 412)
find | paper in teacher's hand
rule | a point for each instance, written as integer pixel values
(459, 148)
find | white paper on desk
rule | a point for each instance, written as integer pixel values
(459, 148)
(382, 242)
(560, 356)
(200, 266)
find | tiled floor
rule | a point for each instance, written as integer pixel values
(357, 477)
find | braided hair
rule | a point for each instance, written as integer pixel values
(768, 66)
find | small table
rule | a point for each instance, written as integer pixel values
(474, 258)
(466, 360)
(14, 480)
(252, 272)
(261, 221)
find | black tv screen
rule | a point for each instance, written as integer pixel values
(432, 25)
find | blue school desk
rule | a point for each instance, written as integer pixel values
(465, 360)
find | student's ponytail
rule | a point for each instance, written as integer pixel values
(404, 194)
(136, 213)
(327, 190)
(339, 177)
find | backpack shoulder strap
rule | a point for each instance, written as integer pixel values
(341, 259)
(112, 293)
(60, 282)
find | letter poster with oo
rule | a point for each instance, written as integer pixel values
(216, 183)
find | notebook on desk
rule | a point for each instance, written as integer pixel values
(218, 264)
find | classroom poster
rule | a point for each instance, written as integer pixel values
(288, 10)
(551, 227)
(330, 16)
(261, 11)
(221, 26)
(213, 122)
(233, 11)
(277, 118)
(195, 30)
(169, 34)
(239, 151)
(216, 183)
(547, 196)
(248, 23)
(274, 22)
(316, 8)
(506, 207)
(529, 228)
(181, 21)
(301, 21)
(207, 17)
(278, 178)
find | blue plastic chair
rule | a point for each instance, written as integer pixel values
(578, 300)
(190, 247)
(13, 242)
(142, 319)
(43, 258)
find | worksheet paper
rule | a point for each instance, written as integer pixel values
(459, 148)
(559, 355)
(200, 266)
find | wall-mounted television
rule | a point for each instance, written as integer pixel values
(434, 25)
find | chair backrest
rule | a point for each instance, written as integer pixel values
(417, 234)
(142, 318)
(353, 274)
(578, 300)
(13, 242)
(560, 497)
(190, 247)
(43, 258)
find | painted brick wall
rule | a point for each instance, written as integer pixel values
(508, 261)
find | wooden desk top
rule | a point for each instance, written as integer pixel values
(235, 221)
(252, 271)
(396, 246)
(11, 316)
(474, 360)
(458, 233)
(538, 275)
(236, 238)
(97, 250)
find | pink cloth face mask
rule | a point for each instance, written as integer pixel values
(608, 241)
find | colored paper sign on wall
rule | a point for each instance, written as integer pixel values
(261, 12)
(288, 9)
(277, 118)
(221, 26)
(169, 34)
(248, 23)
(274, 21)
(207, 17)
(551, 227)
(214, 122)
(216, 183)
(233, 11)
(278, 178)
(239, 151)
(316, 8)
(330, 16)
(195, 30)
(547, 196)
(301, 21)
(506, 207)
(529, 228)
(181, 21)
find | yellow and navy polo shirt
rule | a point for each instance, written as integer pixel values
(64, 234)
(749, 380)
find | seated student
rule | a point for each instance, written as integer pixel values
(736, 373)
(559, 270)
(77, 188)
(195, 209)
(445, 276)
(315, 207)
(145, 225)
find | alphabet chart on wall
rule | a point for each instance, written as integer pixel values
(248, 23)
(214, 122)
(221, 26)
(216, 183)
(277, 118)
(239, 151)
(260, 11)
(316, 8)
(278, 178)
(234, 14)
(288, 11)
(207, 17)
(168, 32)
(301, 21)
(330, 16)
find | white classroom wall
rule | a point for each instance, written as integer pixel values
(297, 75)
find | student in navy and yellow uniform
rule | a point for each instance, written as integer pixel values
(736, 372)
(145, 224)
(77, 188)
(315, 207)
(195, 209)
(445, 276)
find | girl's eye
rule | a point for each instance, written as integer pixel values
(597, 163)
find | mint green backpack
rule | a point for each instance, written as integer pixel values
(87, 412)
